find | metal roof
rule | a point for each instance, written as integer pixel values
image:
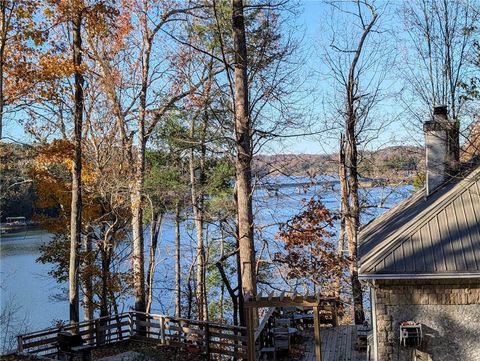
(427, 237)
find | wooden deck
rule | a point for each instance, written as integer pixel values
(338, 344)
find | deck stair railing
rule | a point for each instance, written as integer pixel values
(217, 341)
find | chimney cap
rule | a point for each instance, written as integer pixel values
(440, 110)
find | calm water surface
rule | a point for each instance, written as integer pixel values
(39, 300)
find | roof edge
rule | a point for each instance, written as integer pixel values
(446, 275)
(376, 253)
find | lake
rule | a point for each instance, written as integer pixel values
(38, 300)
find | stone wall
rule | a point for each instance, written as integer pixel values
(449, 311)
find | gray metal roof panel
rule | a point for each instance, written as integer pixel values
(422, 235)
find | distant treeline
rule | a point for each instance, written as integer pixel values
(402, 163)
(17, 195)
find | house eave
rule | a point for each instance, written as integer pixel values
(382, 243)
(407, 276)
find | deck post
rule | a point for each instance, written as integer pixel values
(316, 327)
(162, 329)
(99, 332)
(130, 323)
(207, 339)
(250, 334)
(19, 343)
(335, 313)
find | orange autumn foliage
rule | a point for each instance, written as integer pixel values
(309, 253)
(52, 175)
(21, 36)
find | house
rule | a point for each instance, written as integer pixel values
(421, 260)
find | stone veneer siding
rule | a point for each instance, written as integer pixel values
(449, 311)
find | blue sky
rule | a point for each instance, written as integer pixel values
(312, 20)
(316, 19)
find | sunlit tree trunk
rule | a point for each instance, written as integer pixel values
(222, 285)
(342, 176)
(196, 184)
(352, 111)
(352, 224)
(155, 227)
(88, 306)
(190, 291)
(105, 259)
(243, 158)
(351, 156)
(178, 295)
(138, 179)
(138, 260)
(3, 39)
(76, 206)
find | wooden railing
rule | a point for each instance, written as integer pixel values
(210, 338)
(96, 332)
(217, 341)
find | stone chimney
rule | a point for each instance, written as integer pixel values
(442, 148)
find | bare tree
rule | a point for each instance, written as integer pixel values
(197, 180)
(155, 93)
(440, 36)
(357, 63)
(11, 323)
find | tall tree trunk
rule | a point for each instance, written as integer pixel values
(352, 227)
(230, 290)
(76, 206)
(87, 276)
(137, 186)
(106, 249)
(3, 40)
(352, 220)
(203, 155)
(222, 285)
(353, 216)
(190, 291)
(241, 309)
(138, 258)
(196, 184)
(243, 158)
(105, 272)
(342, 176)
(178, 295)
(155, 227)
